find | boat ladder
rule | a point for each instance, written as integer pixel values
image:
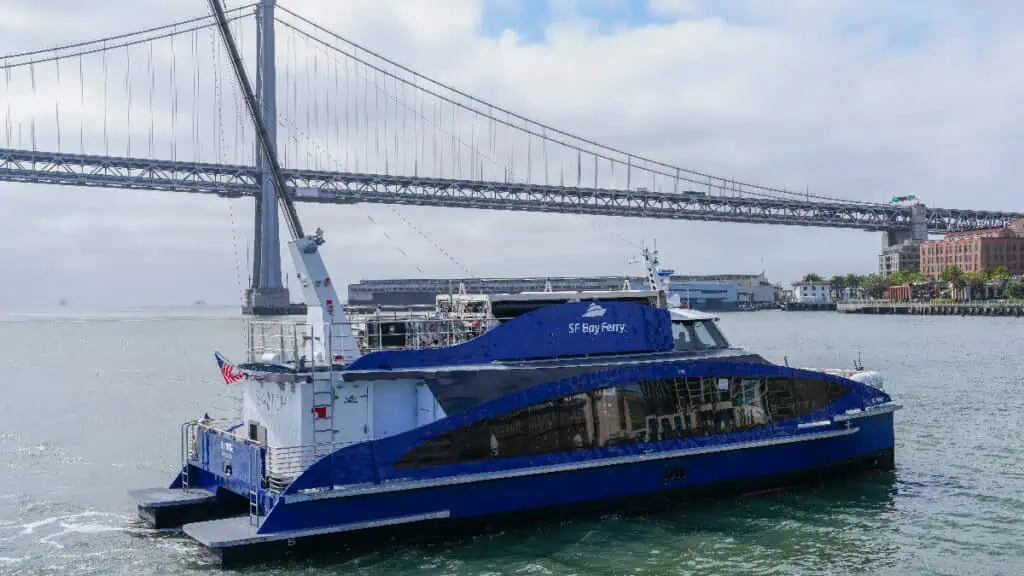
(188, 438)
(255, 481)
(323, 408)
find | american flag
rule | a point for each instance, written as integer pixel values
(227, 369)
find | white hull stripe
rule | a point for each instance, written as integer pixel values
(868, 412)
(403, 484)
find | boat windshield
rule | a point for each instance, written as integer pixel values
(697, 335)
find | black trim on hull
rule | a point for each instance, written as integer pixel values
(173, 515)
(347, 545)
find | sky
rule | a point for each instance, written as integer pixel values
(859, 99)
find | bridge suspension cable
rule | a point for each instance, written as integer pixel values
(151, 115)
(544, 131)
(28, 58)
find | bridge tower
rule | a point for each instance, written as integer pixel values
(901, 249)
(267, 295)
(917, 233)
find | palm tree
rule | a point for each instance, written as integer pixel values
(838, 283)
(954, 275)
(853, 282)
(999, 273)
(974, 280)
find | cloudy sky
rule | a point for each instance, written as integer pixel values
(857, 99)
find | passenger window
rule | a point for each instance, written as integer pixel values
(705, 337)
(683, 337)
(647, 411)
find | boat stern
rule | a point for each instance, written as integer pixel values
(221, 475)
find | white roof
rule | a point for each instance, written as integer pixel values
(688, 314)
(571, 295)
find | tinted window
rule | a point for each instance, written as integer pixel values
(647, 411)
(712, 330)
(705, 337)
(683, 336)
(795, 397)
(697, 335)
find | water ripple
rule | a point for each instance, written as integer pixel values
(955, 504)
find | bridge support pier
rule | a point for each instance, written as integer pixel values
(917, 233)
(267, 296)
(901, 249)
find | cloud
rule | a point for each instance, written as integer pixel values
(860, 100)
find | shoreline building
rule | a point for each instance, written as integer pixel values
(711, 292)
(812, 292)
(723, 291)
(975, 250)
(900, 257)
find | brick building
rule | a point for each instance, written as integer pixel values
(976, 250)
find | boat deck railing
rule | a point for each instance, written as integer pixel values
(289, 341)
(286, 463)
(282, 465)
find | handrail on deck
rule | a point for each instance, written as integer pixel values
(286, 463)
(889, 302)
(290, 340)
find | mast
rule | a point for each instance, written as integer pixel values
(657, 279)
(328, 319)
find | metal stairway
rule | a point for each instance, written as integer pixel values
(255, 481)
(323, 409)
(188, 438)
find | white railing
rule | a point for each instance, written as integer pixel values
(283, 464)
(289, 341)
(379, 332)
(925, 303)
(221, 427)
(286, 463)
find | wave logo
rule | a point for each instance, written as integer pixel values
(594, 311)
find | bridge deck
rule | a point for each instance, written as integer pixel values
(349, 188)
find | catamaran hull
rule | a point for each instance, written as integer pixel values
(300, 523)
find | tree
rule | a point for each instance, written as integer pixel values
(954, 275)
(1015, 288)
(906, 277)
(974, 279)
(853, 280)
(838, 283)
(812, 277)
(875, 285)
(999, 272)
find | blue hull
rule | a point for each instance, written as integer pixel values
(399, 508)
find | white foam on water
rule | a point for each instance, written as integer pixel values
(31, 526)
(87, 528)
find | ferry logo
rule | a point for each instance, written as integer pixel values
(594, 311)
(227, 369)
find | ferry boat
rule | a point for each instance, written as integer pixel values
(584, 403)
(590, 400)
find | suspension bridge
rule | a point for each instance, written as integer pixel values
(159, 109)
